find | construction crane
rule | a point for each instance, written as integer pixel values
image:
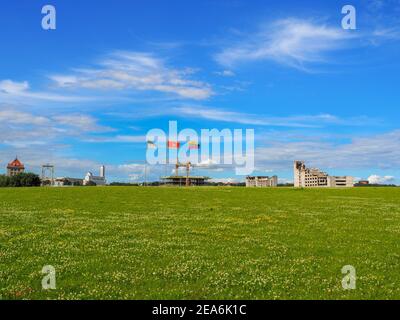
(187, 165)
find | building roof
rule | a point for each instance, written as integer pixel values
(68, 178)
(15, 164)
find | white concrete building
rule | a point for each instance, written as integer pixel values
(67, 182)
(98, 180)
(261, 181)
(312, 177)
(345, 181)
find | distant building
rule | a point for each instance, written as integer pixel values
(363, 182)
(15, 167)
(343, 181)
(183, 180)
(261, 181)
(312, 177)
(98, 180)
(67, 182)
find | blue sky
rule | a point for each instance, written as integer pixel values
(87, 93)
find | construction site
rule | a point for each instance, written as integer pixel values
(184, 180)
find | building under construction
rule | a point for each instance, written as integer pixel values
(261, 181)
(312, 177)
(184, 180)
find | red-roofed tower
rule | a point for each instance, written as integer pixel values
(15, 167)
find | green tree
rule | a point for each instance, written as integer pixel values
(20, 180)
(29, 179)
(4, 181)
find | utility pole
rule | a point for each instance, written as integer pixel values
(145, 173)
(187, 174)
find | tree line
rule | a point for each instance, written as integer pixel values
(20, 180)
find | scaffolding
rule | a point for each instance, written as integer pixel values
(186, 180)
(184, 165)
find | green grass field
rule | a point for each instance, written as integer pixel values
(199, 243)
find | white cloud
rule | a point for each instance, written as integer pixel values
(82, 122)
(224, 115)
(9, 116)
(33, 156)
(376, 179)
(20, 91)
(300, 121)
(12, 87)
(292, 42)
(134, 177)
(118, 139)
(225, 73)
(225, 180)
(285, 181)
(132, 167)
(374, 151)
(392, 33)
(139, 72)
(20, 129)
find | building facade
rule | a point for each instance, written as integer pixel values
(15, 167)
(185, 180)
(261, 181)
(312, 177)
(337, 182)
(97, 180)
(67, 182)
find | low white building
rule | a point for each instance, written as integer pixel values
(67, 182)
(261, 181)
(98, 180)
(336, 182)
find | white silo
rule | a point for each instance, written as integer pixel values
(103, 171)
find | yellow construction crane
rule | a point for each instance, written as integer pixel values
(184, 165)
